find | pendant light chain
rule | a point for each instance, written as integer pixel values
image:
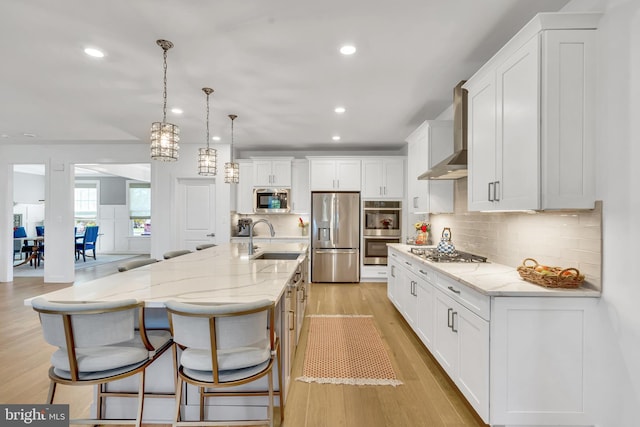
(164, 85)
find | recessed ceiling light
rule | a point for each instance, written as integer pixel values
(215, 138)
(176, 111)
(336, 138)
(29, 135)
(4, 135)
(94, 52)
(348, 49)
(340, 110)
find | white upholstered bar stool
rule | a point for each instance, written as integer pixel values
(97, 344)
(173, 254)
(224, 346)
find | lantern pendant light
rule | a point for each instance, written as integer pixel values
(164, 136)
(231, 169)
(207, 156)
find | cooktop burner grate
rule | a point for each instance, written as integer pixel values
(457, 256)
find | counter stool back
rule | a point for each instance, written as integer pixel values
(173, 254)
(135, 264)
(97, 344)
(205, 246)
(224, 346)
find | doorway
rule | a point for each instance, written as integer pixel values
(196, 212)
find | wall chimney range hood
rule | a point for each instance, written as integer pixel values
(454, 166)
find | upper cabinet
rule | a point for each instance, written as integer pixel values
(430, 143)
(531, 119)
(244, 188)
(300, 195)
(383, 178)
(272, 172)
(334, 174)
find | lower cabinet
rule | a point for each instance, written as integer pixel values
(461, 346)
(519, 361)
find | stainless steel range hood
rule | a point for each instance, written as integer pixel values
(454, 166)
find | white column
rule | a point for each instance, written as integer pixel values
(59, 222)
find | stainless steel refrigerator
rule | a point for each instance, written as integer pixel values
(335, 238)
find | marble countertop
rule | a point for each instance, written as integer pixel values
(222, 274)
(494, 279)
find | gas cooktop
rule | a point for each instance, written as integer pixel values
(456, 256)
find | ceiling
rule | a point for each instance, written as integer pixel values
(274, 63)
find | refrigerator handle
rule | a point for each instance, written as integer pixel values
(335, 251)
(336, 218)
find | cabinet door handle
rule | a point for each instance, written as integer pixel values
(292, 324)
(385, 190)
(426, 273)
(452, 289)
(453, 321)
(415, 202)
(393, 271)
(408, 263)
(489, 196)
(449, 321)
(496, 196)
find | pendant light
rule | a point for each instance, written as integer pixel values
(164, 136)
(207, 156)
(231, 169)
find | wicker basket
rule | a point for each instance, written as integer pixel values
(559, 277)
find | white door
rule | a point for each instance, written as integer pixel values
(196, 212)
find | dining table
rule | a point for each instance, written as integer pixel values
(34, 243)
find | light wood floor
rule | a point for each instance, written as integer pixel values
(427, 397)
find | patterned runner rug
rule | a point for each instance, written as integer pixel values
(346, 350)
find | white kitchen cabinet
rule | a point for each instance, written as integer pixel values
(393, 278)
(531, 119)
(300, 194)
(244, 188)
(272, 172)
(540, 361)
(383, 178)
(461, 346)
(430, 143)
(425, 317)
(332, 174)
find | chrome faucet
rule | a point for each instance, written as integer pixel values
(253, 224)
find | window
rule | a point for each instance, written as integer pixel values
(85, 204)
(139, 202)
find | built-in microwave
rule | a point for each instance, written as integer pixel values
(271, 200)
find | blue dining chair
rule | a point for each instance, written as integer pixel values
(87, 242)
(39, 230)
(18, 248)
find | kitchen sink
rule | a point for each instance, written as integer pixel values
(277, 255)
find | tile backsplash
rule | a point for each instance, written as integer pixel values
(285, 225)
(557, 238)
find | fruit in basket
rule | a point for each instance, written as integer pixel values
(542, 268)
(568, 273)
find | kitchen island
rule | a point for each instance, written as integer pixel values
(221, 274)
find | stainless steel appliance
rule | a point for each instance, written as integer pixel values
(244, 224)
(335, 238)
(271, 200)
(381, 224)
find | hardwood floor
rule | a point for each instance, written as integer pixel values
(427, 397)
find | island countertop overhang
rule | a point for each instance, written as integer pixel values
(221, 274)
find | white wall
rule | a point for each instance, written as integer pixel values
(618, 99)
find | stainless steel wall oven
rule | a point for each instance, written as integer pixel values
(381, 224)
